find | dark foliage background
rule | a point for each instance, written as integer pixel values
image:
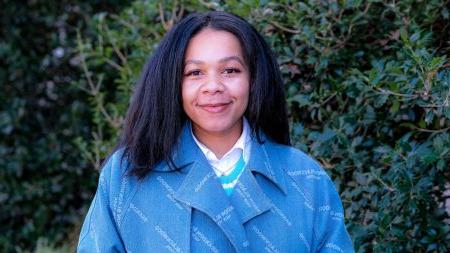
(368, 86)
(44, 181)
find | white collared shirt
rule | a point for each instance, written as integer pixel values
(225, 165)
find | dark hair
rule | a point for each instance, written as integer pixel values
(155, 117)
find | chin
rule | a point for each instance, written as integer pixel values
(217, 126)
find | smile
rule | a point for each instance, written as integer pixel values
(215, 107)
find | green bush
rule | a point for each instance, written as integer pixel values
(44, 182)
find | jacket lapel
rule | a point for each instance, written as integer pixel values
(248, 197)
(202, 190)
(269, 167)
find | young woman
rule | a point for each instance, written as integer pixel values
(205, 163)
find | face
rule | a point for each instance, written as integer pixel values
(215, 87)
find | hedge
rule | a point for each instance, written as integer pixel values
(44, 181)
(368, 90)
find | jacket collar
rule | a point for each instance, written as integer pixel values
(187, 152)
(259, 162)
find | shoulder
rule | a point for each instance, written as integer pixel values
(293, 160)
(303, 173)
(114, 168)
(309, 182)
(307, 178)
(116, 181)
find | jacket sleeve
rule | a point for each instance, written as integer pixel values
(332, 236)
(99, 232)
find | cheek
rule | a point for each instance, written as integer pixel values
(244, 92)
(188, 98)
(186, 93)
(245, 87)
(243, 97)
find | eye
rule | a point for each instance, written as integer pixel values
(231, 70)
(193, 73)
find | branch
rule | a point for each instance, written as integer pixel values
(289, 30)
(431, 130)
(389, 92)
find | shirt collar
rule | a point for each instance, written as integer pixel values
(241, 144)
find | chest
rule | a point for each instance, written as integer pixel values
(255, 218)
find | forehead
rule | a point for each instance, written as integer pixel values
(213, 45)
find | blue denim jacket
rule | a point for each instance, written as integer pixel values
(283, 202)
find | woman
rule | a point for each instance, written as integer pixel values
(204, 162)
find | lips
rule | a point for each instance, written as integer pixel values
(215, 107)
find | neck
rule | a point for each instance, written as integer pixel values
(218, 142)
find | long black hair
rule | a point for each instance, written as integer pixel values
(155, 117)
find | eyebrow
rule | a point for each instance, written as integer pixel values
(229, 58)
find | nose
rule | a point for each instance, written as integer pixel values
(213, 85)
